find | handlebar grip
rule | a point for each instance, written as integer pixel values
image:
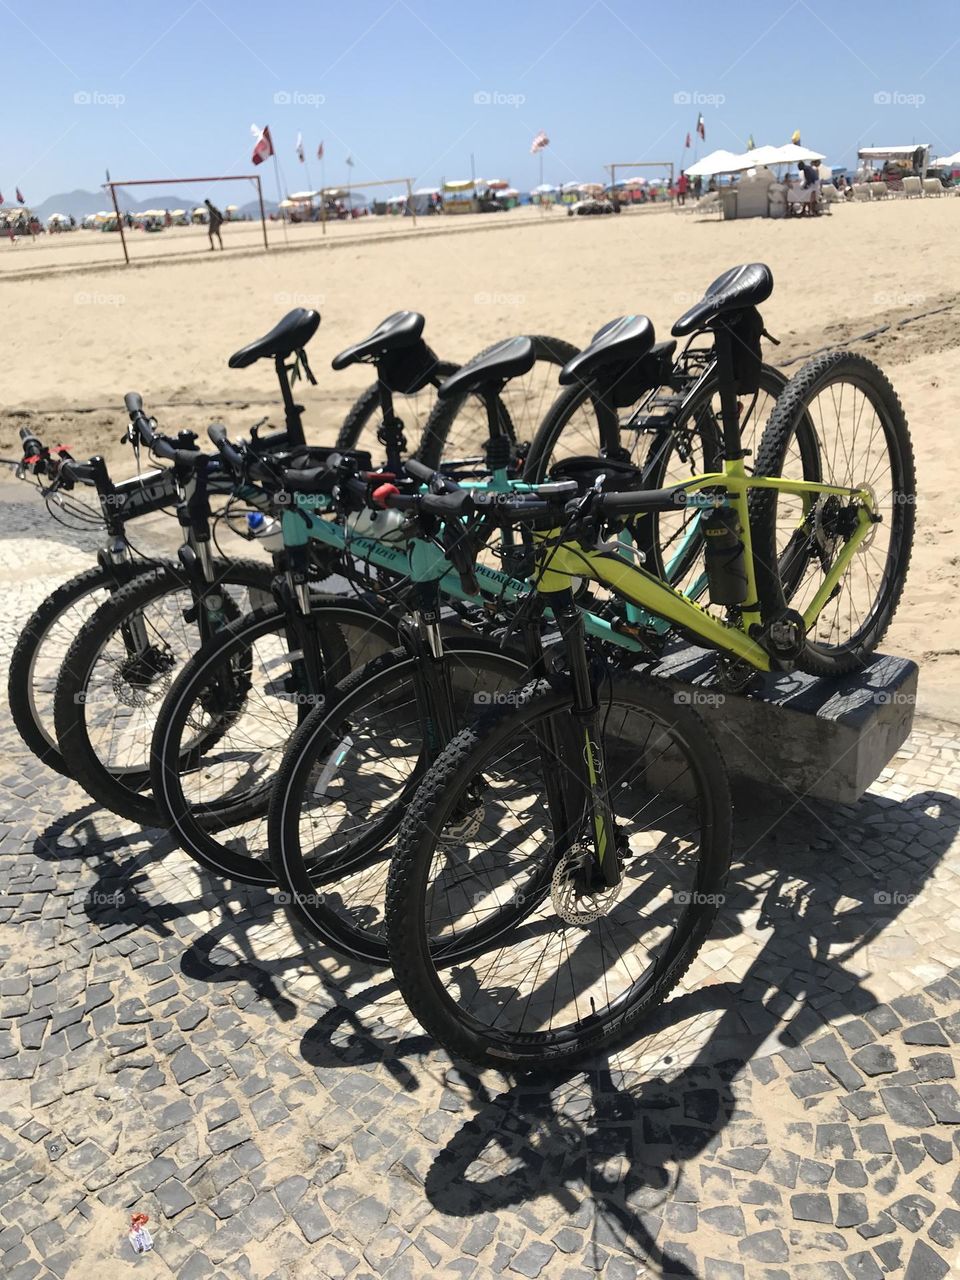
(448, 506)
(32, 446)
(426, 475)
(218, 435)
(134, 402)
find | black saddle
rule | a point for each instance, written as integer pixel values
(622, 362)
(398, 332)
(505, 360)
(736, 290)
(618, 343)
(292, 334)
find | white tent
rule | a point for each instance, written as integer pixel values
(892, 153)
(716, 162)
(949, 162)
(545, 187)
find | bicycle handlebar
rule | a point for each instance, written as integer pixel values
(158, 444)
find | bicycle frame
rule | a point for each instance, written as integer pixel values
(607, 566)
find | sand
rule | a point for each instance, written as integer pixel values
(81, 329)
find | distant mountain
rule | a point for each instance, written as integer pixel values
(81, 203)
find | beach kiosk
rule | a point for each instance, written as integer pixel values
(459, 196)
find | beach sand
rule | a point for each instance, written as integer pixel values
(80, 332)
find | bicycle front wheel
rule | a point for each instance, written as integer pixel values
(574, 972)
(121, 665)
(244, 693)
(42, 646)
(349, 774)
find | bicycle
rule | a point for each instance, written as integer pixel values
(607, 881)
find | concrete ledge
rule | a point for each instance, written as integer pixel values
(826, 738)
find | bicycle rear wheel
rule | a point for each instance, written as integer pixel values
(571, 976)
(349, 774)
(863, 441)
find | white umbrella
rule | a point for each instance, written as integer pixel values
(545, 186)
(790, 153)
(716, 162)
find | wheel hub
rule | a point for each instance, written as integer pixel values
(144, 678)
(464, 828)
(574, 900)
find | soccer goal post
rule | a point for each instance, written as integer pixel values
(113, 186)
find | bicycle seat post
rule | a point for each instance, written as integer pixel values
(498, 444)
(390, 433)
(729, 404)
(292, 412)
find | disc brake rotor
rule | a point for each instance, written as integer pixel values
(572, 902)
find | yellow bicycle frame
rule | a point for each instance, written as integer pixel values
(562, 561)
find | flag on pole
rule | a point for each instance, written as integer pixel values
(795, 137)
(300, 155)
(539, 142)
(350, 161)
(751, 145)
(19, 196)
(263, 144)
(1, 197)
(687, 143)
(320, 151)
(701, 128)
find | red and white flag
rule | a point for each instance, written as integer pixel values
(19, 196)
(701, 128)
(300, 156)
(263, 146)
(539, 142)
(320, 151)
(1, 197)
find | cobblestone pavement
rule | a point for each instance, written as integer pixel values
(170, 1045)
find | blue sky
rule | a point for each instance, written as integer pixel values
(415, 86)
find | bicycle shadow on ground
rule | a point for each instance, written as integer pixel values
(123, 898)
(610, 1143)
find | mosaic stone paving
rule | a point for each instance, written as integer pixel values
(169, 1045)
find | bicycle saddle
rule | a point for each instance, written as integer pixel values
(621, 342)
(618, 476)
(505, 360)
(292, 333)
(736, 290)
(399, 331)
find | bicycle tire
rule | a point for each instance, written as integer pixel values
(201, 829)
(422, 977)
(814, 379)
(22, 680)
(354, 928)
(122, 791)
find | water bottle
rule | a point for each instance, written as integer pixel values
(269, 533)
(724, 557)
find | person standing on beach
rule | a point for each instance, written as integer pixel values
(214, 224)
(682, 184)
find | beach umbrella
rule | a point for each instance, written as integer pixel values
(790, 153)
(715, 163)
(545, 187)
(459, 184)
(497, 184)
